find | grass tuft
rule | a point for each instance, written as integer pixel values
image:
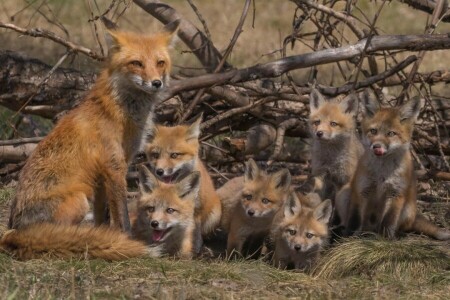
(6, 194)
(412, 258)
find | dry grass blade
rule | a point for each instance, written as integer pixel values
(412, 258)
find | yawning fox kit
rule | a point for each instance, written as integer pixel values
(366, 182)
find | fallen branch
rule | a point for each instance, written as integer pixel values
(42, 33)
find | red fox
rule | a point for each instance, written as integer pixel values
(166, 213)
(85, 157)
(383, 188)
(336, 147)
(300, 231)
(249, 203)
(172, 153)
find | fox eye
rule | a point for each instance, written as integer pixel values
(333, 124)
(155, 155)
(316, 123)
(136, 63)
(170, 210)
(309, 235)
(174, 155)
(161, 63)
(150, 208)
(292, 231)
(265, 200)
(248, 197)
(373, 131)
(391, 133)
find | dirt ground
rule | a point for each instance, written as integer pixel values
(412, 267)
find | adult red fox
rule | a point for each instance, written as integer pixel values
(85, 157)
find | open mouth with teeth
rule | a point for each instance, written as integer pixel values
(159, 235)
(169, 178)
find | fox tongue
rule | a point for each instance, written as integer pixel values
(168, 179)
(378, 151)
(157, 235)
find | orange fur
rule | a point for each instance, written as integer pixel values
(86, 155)
(56, 240)
(249, 204)
(300, 231)
(166, 214)
(173, 153)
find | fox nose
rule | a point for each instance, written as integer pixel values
(157, 83)
(319, 134)
(160, 172)
(376, 146)
(250, 212)
(297, 247)
(154, 224)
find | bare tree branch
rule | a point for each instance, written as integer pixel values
(42, 33)
(428, 6)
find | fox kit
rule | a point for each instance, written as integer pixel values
(383, 189)
(336, 147)
(86, 155)
(173, 154)
(250, 203)
(300, 231)
(166, 213)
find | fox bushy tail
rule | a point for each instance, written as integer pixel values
(55, 240)
(422, 225)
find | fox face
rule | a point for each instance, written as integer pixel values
(141, 62)
(263, 194)
(329, 119)
(172, 152)
(304, 229)
(166, 208)
(385, 130)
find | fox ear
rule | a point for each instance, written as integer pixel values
(193, 131)
(113, 40)
(314, 199)
(151, 134)
(316, 99)
(170, 30)
(292, 205)
(251, 170)
(189, 186)
(147, 181)
(349, 104)
(370, 102)
(322, 212)
(282, 179)
(411, 109)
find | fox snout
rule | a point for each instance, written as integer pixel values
(378, 149)
(168, 175)
(297, 247)
(152, 85)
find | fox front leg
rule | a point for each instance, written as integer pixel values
(235, 242)
(186, 248)
(389, 223)
(115, 191)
